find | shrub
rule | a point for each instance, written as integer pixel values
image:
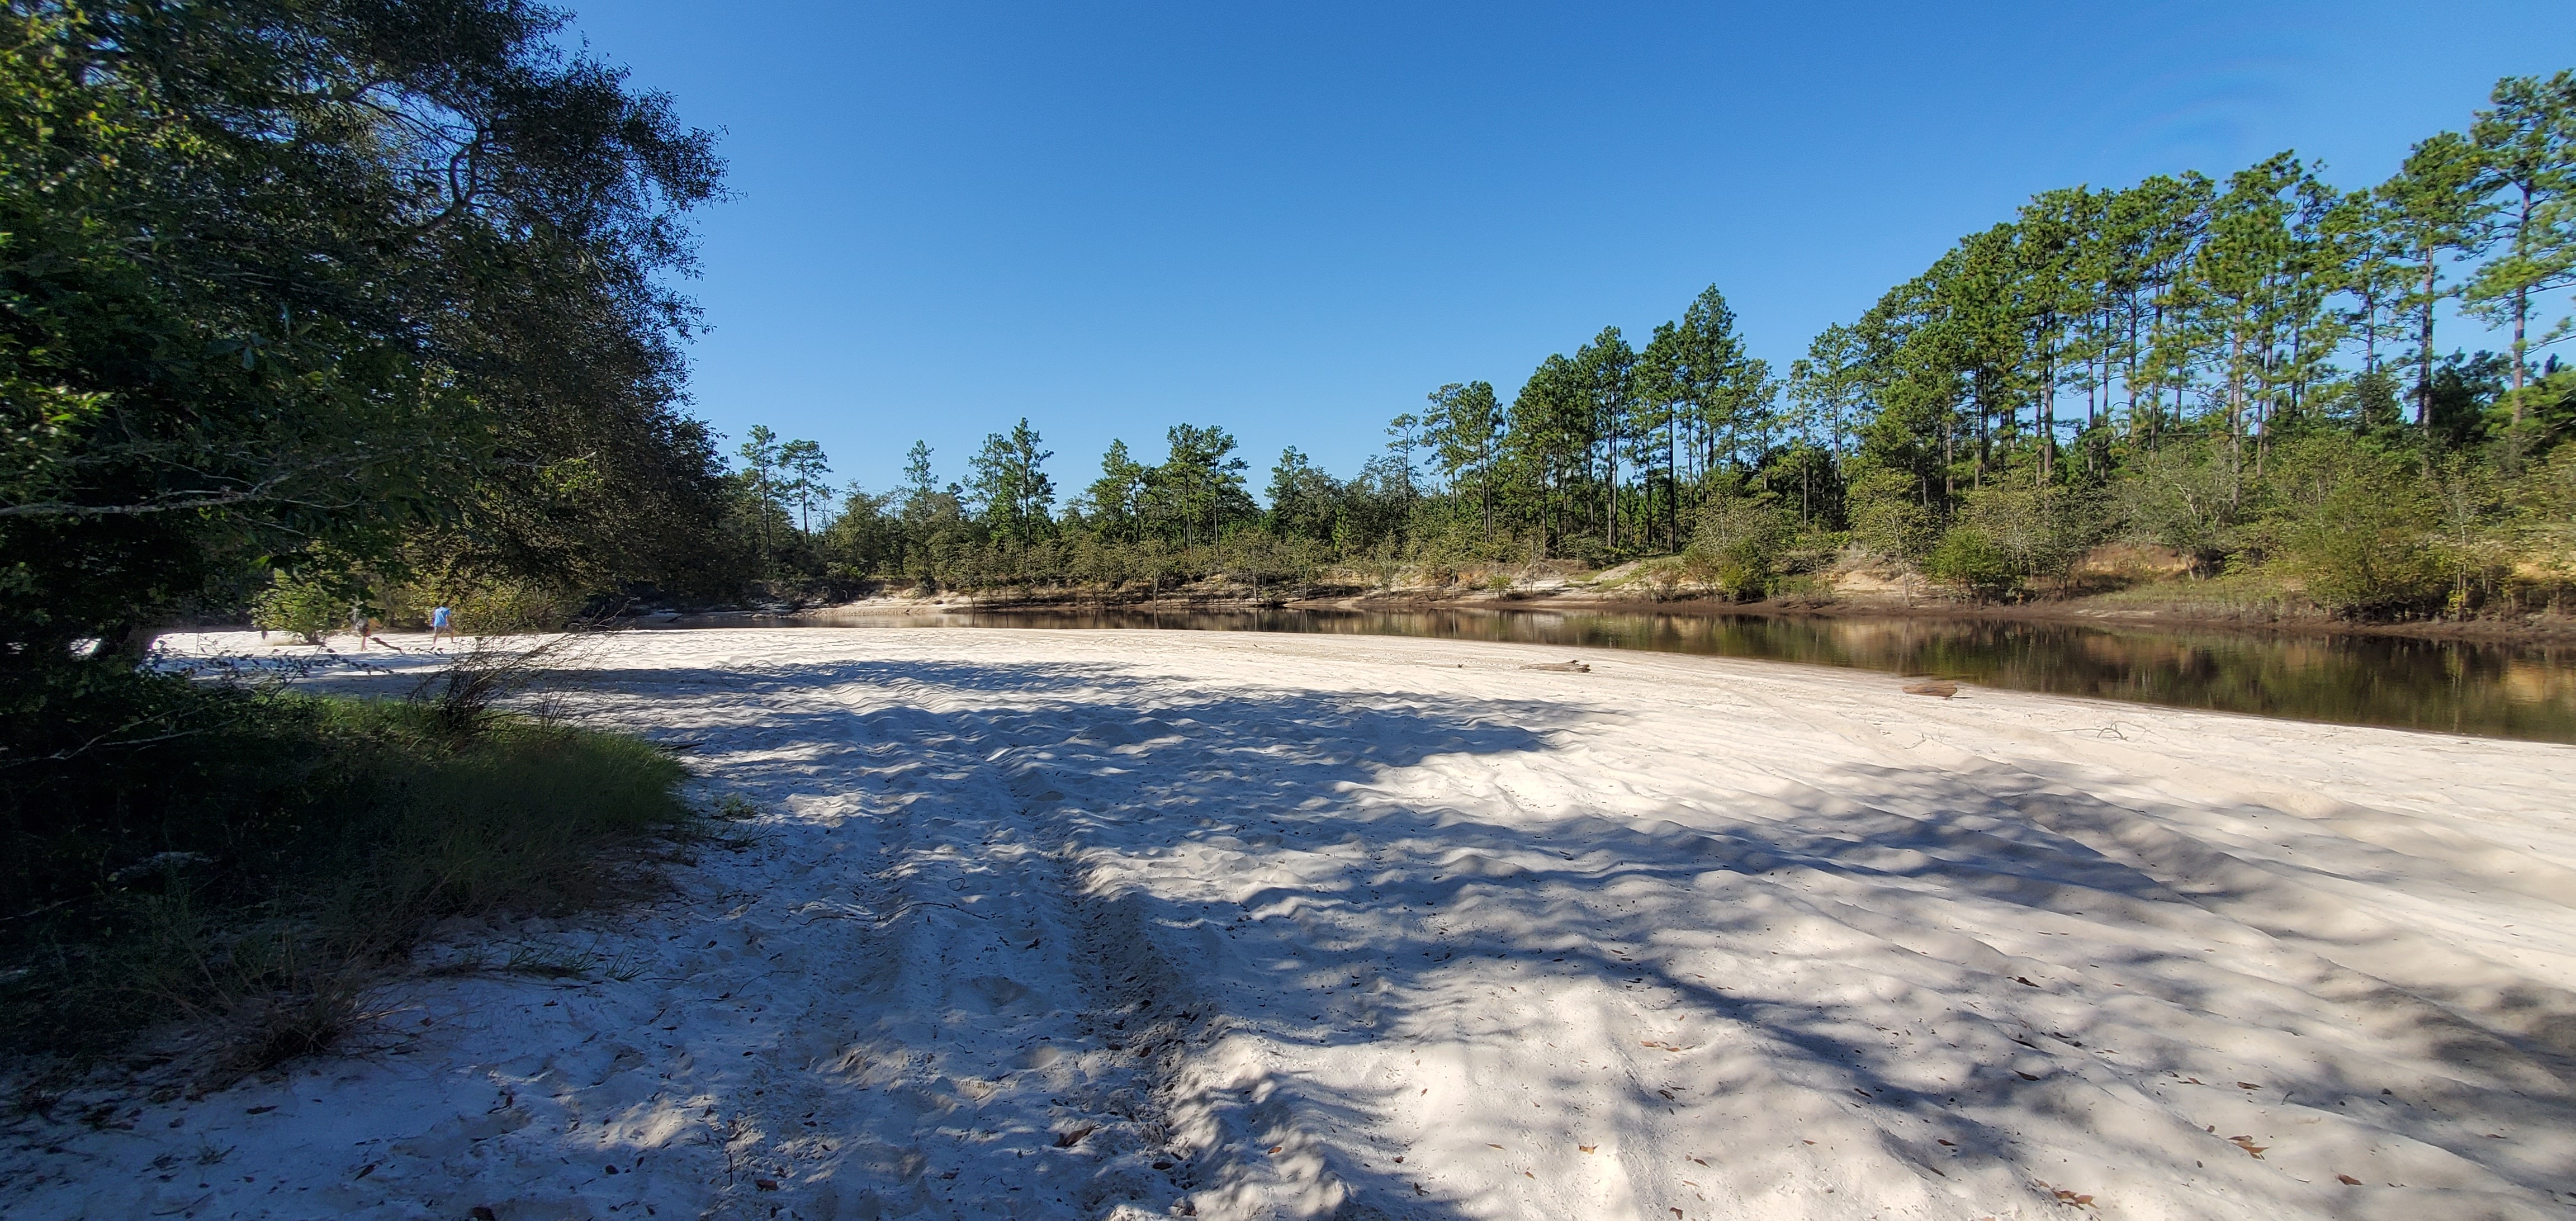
(1887, 519)
(306, 604)
(2181, 496)
(2364, 548)
(2545, 518)
(510, 609)
(1663, 577)
(1969, 557)
(2355, 526)
(2041, 531)
(2004, 536)
(1738, 544)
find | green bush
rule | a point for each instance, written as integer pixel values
(2004, 537)
(1738, 544)
(2181, 496)
(2355, 526)
(1969, 557)
(1887, 517)
(2365, 549)
(511, 609)
(307, 604)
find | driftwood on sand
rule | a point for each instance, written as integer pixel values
(1942, 689)
(1563, 667)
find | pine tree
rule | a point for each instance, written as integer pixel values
(760, 457)
(1461, 426)
(2431, 210)
(808, 479)
(1117, 497)
(1608, 369)
(1010, 484)
(2526, 150)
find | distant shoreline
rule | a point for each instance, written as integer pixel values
(2077, 612)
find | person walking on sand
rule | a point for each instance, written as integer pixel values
(366, 628)
(439, 625)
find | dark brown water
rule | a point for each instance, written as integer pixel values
(2505, 691)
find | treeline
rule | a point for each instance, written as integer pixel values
(2247, 371)
(342, 295)
(308, 303)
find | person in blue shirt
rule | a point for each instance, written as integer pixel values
(439, 625)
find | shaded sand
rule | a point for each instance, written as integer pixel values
(1082, 924)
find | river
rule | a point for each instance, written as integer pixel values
(2464, 687)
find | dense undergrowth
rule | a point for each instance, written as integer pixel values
(247, 861)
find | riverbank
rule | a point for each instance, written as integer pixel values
(2121, 612)
(2148, 608)
(1251, 925)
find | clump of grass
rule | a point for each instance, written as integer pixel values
(462, 698)
(514, 817)
(294, 847)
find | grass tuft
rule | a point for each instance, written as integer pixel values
(296, 848)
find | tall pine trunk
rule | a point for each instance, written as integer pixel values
(2236, 417)
(2424, 350)
(1673, 483)
(2521, 316)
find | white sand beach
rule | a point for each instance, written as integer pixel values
(1123, 923)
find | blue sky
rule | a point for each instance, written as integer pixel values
(1295, 220)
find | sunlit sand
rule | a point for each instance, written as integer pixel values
(1061, 923)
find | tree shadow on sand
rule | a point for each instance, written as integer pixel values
(1320, 877)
